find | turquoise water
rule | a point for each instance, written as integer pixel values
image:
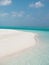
(38, 55)
(25, 28)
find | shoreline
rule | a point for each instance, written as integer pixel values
(13, 41)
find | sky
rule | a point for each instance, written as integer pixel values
(24, 13)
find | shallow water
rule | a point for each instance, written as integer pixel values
(38, 55)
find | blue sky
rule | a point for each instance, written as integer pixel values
(24, 13)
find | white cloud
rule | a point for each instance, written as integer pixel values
(5, 2)
(18, 14)
(36, 4)
(4, 14)
(13, 13)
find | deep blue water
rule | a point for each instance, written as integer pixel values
(38, 55)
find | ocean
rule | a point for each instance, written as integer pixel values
(37, 55)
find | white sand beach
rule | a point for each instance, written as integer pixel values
(12, 41)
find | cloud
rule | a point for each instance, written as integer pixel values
(18, 14)
(13, 13)
(5, 2)
(36, 4)
(4, 14)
